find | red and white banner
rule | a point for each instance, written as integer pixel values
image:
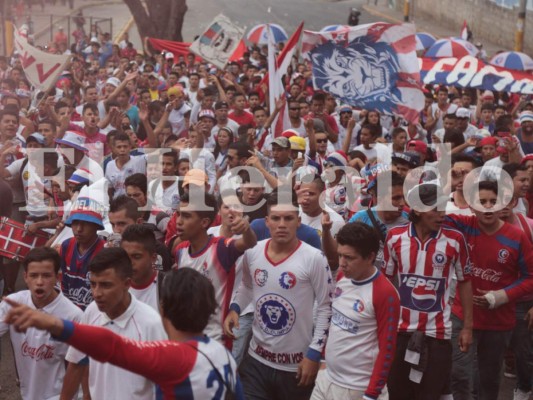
(42, 69)
(470, 72)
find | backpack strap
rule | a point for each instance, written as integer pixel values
(375, 224)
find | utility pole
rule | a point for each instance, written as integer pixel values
(520, 26)
(4, 27)
(406, 10)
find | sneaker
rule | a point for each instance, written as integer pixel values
(520, 395)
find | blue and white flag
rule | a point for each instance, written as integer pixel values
(372, 66)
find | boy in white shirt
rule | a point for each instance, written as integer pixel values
(40, 360)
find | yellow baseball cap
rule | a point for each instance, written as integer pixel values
(297, 143)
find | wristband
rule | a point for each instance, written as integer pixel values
(491, 299)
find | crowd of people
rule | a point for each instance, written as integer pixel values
(195, 251)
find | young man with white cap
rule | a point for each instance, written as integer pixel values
(423, 360)
(208, 121)
(221, 114)
(72, 148)
(463, 123)
(525, 132)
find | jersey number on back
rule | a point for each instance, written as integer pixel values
(214, 377)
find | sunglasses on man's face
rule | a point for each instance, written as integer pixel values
(322, 140)
(295, 109)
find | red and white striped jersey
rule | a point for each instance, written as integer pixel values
(425, 272)
(217, 262)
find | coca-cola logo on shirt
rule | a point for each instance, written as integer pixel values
(488, 274)
(80, 295)
(43, 352)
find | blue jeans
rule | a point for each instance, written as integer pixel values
(243, 335)
(521, 344)
(490, 348)
(261, 382)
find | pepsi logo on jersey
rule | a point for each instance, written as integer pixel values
(422, 293)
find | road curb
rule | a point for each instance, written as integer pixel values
(42, 32)
(376, 13)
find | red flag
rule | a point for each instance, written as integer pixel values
(239, 51)
(176, 48)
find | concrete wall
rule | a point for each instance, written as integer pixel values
(486, 20)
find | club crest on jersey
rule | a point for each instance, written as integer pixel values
(439, 260)
(503, 255)
(129, 171)
(359, 306)
(276, 314)
(422, 293)
(205, 269)
(287, 280)
(260, 277)
(338, 292)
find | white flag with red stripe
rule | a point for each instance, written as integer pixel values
(277, 67)
(42, 69)
(371, 66)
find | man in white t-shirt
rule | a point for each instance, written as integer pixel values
(117, 310)
(179, 114)
(164, 192)
(311, 210)
(370, 148)
(40, 360)
(123, 165)
(138, 240)
(221, 114)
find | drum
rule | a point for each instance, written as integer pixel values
(15, 240)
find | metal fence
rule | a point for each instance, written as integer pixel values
(90, 25)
